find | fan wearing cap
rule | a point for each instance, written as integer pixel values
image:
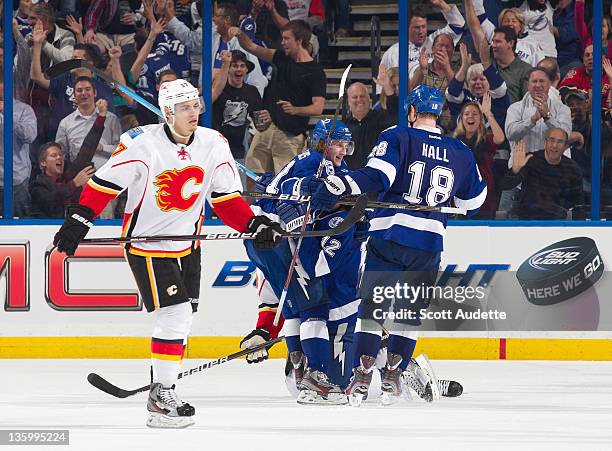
(580, 138)
(234, 101)
(169, 171)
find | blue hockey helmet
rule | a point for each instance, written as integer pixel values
(341, 133)
(425, 99)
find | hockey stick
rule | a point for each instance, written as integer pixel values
(349, 201)
(351, 218)
(66, 66)
(69, 65)
(450, 389)
(102, 384)
(281, 301)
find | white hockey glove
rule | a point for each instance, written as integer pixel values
(255, 338)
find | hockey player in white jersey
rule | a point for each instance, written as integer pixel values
(408, 165)
(169, 170)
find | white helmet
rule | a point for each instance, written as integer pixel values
(176, 91)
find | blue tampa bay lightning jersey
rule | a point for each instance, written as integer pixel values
(288, 179)
(418, 166)
(337, 260)
(168, 53)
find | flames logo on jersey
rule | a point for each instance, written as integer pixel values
(171, 185)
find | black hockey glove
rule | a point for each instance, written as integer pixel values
(256, 337)
(76, 225)
(268, 233)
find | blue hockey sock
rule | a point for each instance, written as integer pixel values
(293, 343)
(365, 344)
(402, 346)
(315, 343)
(341, 340)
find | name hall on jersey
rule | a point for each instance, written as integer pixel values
(434, 152)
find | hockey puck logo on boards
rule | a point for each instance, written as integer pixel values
(560, 271)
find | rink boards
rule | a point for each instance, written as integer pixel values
(88, 307)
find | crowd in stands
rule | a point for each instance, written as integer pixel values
(516, 76)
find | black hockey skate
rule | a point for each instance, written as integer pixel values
(316, 388)
(357, 390)
(391, 380)
(166, 410)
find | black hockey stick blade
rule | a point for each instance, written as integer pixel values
(102, 384)
(450, 389)
(64, 67)
(354, 215)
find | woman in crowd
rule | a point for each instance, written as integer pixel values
(472, 132)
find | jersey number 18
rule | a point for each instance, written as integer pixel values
(441, 181)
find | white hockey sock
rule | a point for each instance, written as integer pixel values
(172, 326)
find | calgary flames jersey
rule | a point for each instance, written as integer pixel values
(167, 184)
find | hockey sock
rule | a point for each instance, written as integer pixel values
(172, 325)
(166, 356)
(368, 336)
(402, 346)
(315, 343)
(366, 343)
(291, 329)
(341, 337)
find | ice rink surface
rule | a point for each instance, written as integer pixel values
(518, 405)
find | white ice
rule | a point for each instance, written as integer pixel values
(519, 405)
